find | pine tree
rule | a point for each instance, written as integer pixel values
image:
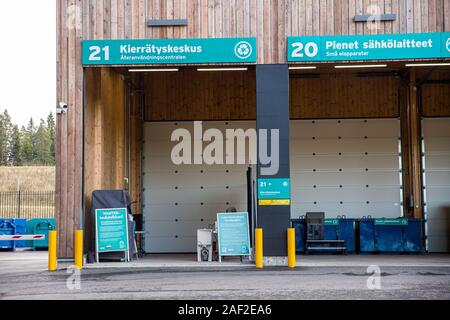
(15, 156)
(5, 138)
(52, 134)
(42, 145)
(26, 144)
(31, 132)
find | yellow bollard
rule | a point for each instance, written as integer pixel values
(78, 252)
(292, 263)
(52, 250)
(259, 248)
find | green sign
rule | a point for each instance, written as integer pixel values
(278, 188)
(369, 47)
(111, 226)
(331, 222)
(233, 234)
(169, 51)
(391, 222)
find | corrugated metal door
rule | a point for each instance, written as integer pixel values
(178, 200)
(436, 165)
(346, 167)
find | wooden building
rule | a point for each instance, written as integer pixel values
(113, 113)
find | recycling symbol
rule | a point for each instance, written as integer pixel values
(243, 50)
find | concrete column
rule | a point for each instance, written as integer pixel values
(272, 112)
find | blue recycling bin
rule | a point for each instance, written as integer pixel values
(7, 227)
(300, 234)
(390, 235)
(341, 229)
(20, 228)
(413, 236)
(39, 226)
(334, 229)
(366, 236)
(42, 227)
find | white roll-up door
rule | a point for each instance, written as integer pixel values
(178, 200)
(346, 167)
(341, 167)
(436, 165)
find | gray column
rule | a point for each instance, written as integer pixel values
(272, 112)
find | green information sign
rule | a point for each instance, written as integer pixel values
(278, 188)
(391, 222)
(233, 234)
(169, 51)
(111, 228)
(369, 47)
(331, 222)
(274, 192)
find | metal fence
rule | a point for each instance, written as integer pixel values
(27, 204)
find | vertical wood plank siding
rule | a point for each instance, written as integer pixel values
(191, 95)
(181, 97)
(435, 96)
(105, 158)
(271, 21)
(344, 97)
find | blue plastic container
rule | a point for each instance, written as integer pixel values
(43, 227)
(366, 236)
(334, 229)
(330, 229)
(7, 227)
(300, 234)
(390, 235)
(389, 238)
(39, 226)
(21, 228)
(341, 229)
(413, 236)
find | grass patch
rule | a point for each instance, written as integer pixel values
(27, 178)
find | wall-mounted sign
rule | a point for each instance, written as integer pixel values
(369, 47)
(111, 231)
(233, 234)
(391, 222)
(272, 192)
(169, 51)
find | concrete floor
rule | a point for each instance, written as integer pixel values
(23, 275)
(189, 261)
(24, 260)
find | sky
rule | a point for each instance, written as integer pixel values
(28, 59)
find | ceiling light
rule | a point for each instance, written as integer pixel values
(361, 66)
(427, 64)
(154, 70)
(303, 68)
(221, 69)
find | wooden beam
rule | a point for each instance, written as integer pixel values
(405, 143)
(414, 150)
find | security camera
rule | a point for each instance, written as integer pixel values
(62, 108)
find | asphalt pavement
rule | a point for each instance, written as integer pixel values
(400, 277)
